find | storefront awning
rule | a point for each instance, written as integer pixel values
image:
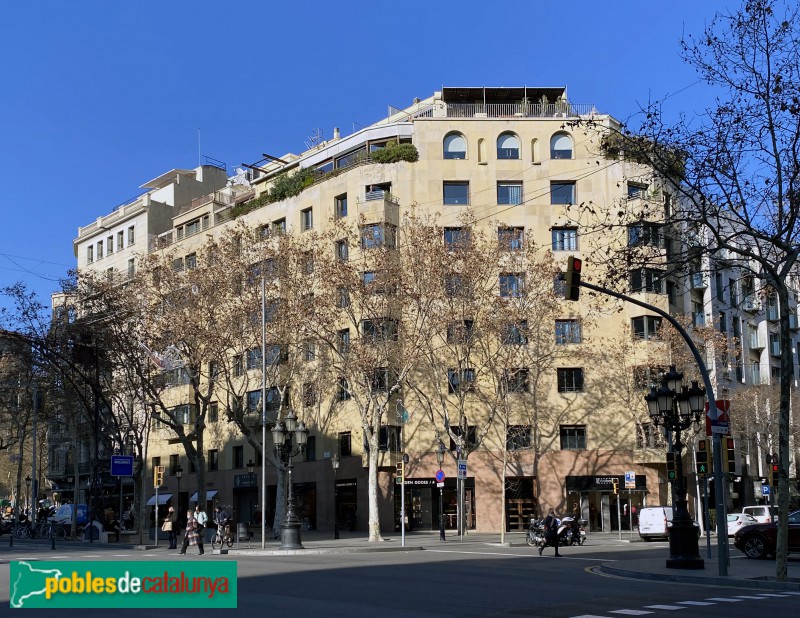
(209, 495)
(162, 499)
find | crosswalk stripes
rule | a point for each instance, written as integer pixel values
(695, 603)
(668, 608)
(724, 600)
(630, 612)
(651, 609)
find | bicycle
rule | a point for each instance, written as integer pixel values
(223, 535)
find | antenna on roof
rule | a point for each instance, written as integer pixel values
(314, 139)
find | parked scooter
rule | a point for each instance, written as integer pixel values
(535, 536)
(572, 531)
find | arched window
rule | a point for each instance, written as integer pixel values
(455, 146)
(508, 146)
(561, 146)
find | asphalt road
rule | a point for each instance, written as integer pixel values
(460, 580)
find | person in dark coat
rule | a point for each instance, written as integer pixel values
(550, 532)
(192, 537)
(170, 526)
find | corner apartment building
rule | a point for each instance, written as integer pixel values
(509, 155)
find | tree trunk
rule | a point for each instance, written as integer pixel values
(374, 525)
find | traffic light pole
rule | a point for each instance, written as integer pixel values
(719, 490)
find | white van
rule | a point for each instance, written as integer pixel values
(654, 522)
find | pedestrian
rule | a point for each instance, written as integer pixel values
(202, 520)
(191, 538)
(170, 526)
(593, 518)
(550, 533)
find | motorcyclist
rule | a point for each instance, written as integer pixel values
(550, 532)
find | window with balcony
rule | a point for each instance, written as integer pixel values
(193, 227)
(508, 146)
(455, 193)
(644, 234)
(512, 285)
(340, 206)
(646, 280)
(567, 332)
(455, 146)
(277, 354)
(253, 399)
(509, 193)
(514, 333)
(562, 192)
(573, 437)
(561, 146)
(381, 378)
(565, 239)
(646, 327)
(511, 238)
(698, 315)
(570, 379)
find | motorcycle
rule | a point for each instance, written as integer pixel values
(535, 536)
(572, 531)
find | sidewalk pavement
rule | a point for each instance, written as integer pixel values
(742, 572)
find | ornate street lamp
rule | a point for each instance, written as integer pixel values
(440, 459)
(282, 434)
(335, 464)
(677, 407)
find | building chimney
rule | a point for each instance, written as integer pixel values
(336, 133)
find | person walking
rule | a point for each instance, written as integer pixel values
(191, 538)
(550, 532)
(202, 520)
(170, 526)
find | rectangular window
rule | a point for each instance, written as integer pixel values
(456, 238)
(512, 285)
(456, 193)
(131, 268)
(345, 444)
(342, 298)
(698, 315)
(460, 332)
(733, 291)
(309, 351)
(173, 464)
(274, 398)
(720, 285)
(177, 265)
(389, 438)
(342, 252)
(378, 235)
(372, 283)
(515, 333)
(565, 239)
(379, 330)
(131, 235)
(120, 240)
(562, 192)
(573, 437)
(306, 219)
(568, 331)
(193, 227)
(649, 436)
(253, 358)
(238, 457)
(342, 390)
(90, 254)
(516, 380)
(311, 448)
(559, 285)
(646, 280)
(471, 438)
(279, 226)
(511, 238)
(344, 340)
(636, 192)
(308, 262)
(309, 395)
(213, 412)
(340, 206)
(509, 193)
(644, 235)
(518, 437)
(100, 250)
(110, 245)
(570, 379)
(455, 285)
(237, 365)
(463, 380)
(646, 327)
(191, 261)
(381, 379)
(723, 322)
(277, 354)
(253, 402)
(213, 460)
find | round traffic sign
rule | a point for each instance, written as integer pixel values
(440, 476)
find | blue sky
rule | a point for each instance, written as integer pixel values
(99, 97)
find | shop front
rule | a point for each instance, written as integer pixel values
(596, 501)
(346, 504)
(422, 504)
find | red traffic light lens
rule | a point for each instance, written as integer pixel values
(701, 446)
(774, 467)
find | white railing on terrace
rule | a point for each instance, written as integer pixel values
(378, 195)
(524, 110)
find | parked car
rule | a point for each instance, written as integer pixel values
(759, 540)
(737, 520)
(654, 522)
(762, 514)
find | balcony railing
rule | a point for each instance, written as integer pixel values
(698, 281)
(756, 342)
(773, 315)
(520, 110)
(750, 303)
(755, 373)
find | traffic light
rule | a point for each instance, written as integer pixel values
(572, 278)
(398, 478)
(775, 471)
(730, 456)
(671, 475)
(615, 482)
(701, 457)
(158, 476)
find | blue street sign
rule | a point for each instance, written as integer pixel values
(440, 476)
(122, 465)
(765, 490)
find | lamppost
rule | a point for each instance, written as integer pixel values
(335, 465)
(178, 475)
(28, 498)
(440, 459)
(282, 434)
(677, 407)
(251, 466)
